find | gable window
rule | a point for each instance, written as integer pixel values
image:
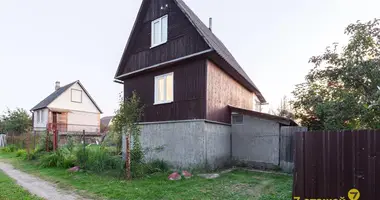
(76, 95)
(160, 31)
(163, 88)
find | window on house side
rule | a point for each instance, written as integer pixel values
(160, 31)
(76, 95)
(38, 116)
(237, 119)
(42, 116)
(163, 88)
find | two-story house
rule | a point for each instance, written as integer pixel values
(187, 79)
(68, 109)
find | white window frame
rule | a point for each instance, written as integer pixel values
(38, 116)
(81, 96)
(162, 41)
(156, 95)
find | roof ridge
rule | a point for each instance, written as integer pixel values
(50, 98)
(215, 43)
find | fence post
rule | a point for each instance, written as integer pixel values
(34, 139)
(47, 140)
(27, 143)
(127, 155)
(84, 149)
(55, 143)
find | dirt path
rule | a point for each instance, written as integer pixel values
(37, 186)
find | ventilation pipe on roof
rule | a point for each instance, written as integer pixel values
(57, 85)
(210, 24)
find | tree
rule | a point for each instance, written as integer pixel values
(341, 90)
(126, 118)
(285, 109)
(17, 121)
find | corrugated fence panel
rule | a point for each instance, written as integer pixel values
(329, 164)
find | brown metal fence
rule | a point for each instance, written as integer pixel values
(329, 164)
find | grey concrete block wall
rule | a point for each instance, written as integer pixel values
(256, 141)
(188, 143)
(218, 144)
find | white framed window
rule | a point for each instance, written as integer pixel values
(38, 116)
(164, 88)
(76, 95)
(159, 31)
(42, 116)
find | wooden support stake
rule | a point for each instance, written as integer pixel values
(27, 144)
(55, 138)
(47, 141)
(128, 158)
(84, 149)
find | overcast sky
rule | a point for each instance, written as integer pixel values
(42, 41)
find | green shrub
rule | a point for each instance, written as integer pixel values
(62, 158)
(9, 148)
(32, 156)
(41, 146)
(100, 160)
(143, 169)
(20, 153)
(82, 157)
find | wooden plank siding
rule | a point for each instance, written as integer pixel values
(223, 90)
(189, 92)
(183, 38)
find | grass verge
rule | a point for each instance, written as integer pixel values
(11, 191)
(237, 184)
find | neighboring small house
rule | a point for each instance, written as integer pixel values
(69, 109)
(187, 79)
(105, 123)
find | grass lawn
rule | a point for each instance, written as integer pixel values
(238, 184)
(11, 191)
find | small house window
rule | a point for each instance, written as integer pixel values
(160, 31)
(163, 88)
(41, 116)
(237, 119)
(38, 116)
(76, 96)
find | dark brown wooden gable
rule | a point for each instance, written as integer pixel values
(183, 38)
(189, 92)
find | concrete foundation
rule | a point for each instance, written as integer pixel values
(187, 144)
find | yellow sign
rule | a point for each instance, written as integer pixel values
(353, 194)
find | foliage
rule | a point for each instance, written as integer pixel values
(139, 169)
(125, 121)
(341, 91)
(41, 146)
(82, 157)
(9, 148)
(20, 153)
(17, 121)
(285, 109)
(62, 158)
(100, 160)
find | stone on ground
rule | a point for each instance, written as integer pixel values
(74, 169)
(186, 174)
(174, 176)
(209, 176)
